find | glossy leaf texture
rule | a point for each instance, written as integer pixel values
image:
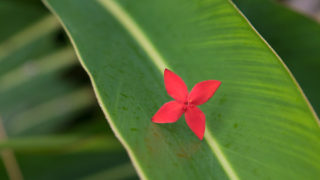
(259, 125)
(294, 36)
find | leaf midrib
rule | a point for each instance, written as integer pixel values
(142, 40)
(162, 63)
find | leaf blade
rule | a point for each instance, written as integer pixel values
(122, 100)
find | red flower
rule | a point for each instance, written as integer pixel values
(185, 102)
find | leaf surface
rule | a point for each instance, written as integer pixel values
(294, 36)
(259, 124)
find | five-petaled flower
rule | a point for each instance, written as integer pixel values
(185, 102)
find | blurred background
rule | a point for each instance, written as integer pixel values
(309, 7)
(51, 126)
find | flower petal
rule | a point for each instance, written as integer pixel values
(203, 91)
(170, 112)
(196, 120)
(175, 86)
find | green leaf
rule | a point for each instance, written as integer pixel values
(294, 36)
(259, 124)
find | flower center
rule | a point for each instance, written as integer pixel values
(188, 104)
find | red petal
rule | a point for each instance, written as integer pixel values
(175, 86)
(170, 112)
(203, 91)
(196, 120)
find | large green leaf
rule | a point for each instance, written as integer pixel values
(294, 36)
(259, 124)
